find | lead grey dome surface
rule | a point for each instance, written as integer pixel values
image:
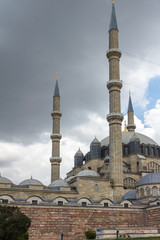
(59, 183)
(151, 178)
(129, 195)
(87, 173)
(126, 137)
(5, 180)
(31, 181)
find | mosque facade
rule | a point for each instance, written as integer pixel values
(123, 168)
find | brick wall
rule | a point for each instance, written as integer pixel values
(49, 222)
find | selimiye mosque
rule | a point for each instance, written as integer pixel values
(123, 167)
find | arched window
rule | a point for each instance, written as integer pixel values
(141, 192)
(148, 192)
(96, 187)
(153, 167)
(129, 182)
(155, 191)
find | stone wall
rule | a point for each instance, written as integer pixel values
(49, 222)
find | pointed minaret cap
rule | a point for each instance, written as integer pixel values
(56, 90)
(113, 21)
(130, 106)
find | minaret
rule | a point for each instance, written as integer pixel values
(56, 136)
(131, 126)
(115, 117)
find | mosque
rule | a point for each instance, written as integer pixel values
(124, 167)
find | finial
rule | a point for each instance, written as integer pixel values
(31, 176)
(56, 76)
(125, 127)
(112, 1)
(79, 149)
(130, 93)
(95, 137)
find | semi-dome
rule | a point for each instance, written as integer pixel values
(151, 178)
(31, 181)
(126, 137)
(130, 195)
(59, 183)
(5, 180)
(87, 173)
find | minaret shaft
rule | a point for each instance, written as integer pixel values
(115, 117)
(56, 136)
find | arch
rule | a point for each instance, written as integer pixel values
(129, 182)
(141, 192)
(153, 166)
(96, 188)
(154, 191)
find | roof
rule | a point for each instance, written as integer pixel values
(59, 183)
(129, 195)
(95, 142)
(79, 154)
(151, 178)
(87, 173)
(5, 180)
(113, 21)
(31, 181)
(130, 106)
(126, 136)
(56, 90)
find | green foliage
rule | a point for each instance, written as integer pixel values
(13, 224)
(90, 234)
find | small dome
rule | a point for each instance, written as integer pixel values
(79, 154)
(5, 180)
(130, 195)
(151, 178)
(107, 159)
(87, 173)
(134, 138)
(95, 142)
(59, 183)
(31, 181)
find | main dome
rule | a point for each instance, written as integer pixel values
(126, 137)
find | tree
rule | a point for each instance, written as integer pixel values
(14, 224)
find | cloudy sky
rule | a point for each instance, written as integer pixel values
(41, 37)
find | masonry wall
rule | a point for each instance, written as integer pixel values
(49, 222)
(153, 217)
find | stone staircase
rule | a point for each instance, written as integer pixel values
(127, 232)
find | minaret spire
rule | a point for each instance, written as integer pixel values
(115, 117)
(56, 136)
(131, 126)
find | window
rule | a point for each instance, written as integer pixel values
(155, 191)
(84, 204)
(60, 203)
(96, 187)
(105, 204)
(141, 192)
(126, 205)
(34, 202)
(5, 201)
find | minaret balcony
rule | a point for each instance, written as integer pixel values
(115, 117)
(114, 83)
(56, 114)
(55, 136)
(113, 53)
(55, 160)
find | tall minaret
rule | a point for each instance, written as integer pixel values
(115, 117)
(131, 126)
(56, 136)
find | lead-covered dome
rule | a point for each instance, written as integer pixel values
(87, 173)
(59, 183)
(5, 180)
(126, 137)
(130, 195)
(31, 181)
(151, 178)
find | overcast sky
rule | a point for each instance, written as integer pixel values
(41, 37)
